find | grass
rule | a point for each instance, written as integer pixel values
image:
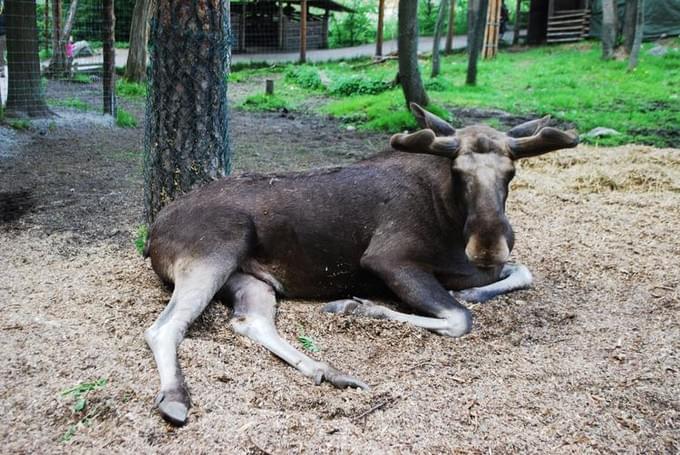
(141, 238)
(19, 124)
(130, 89)
(264, 102)
(71, 103)
(569, 82)
(124, 119)
(307, 342)
(85, 412)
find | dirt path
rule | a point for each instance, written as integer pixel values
(587, 361)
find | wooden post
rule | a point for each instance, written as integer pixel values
(269, 86)
(242, 43)
(303, 31)
(492, 28)
(379, 37)
(109, 77)
(515, 34)
(452, 28)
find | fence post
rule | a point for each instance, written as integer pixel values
(109, 69)
(303, 31)
(379, 37)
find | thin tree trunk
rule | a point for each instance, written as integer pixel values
(639, 28)
(409, 72)
(380, 31)
(629, 25)
(439, 25)
(186, 143)
(608, 29)
(135, 68)
(109, 69)
(515, 32)
(59, 63)
(476, 23)
(24, 94)
(56, 30)
(451, 32)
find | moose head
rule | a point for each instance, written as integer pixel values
(482, 166)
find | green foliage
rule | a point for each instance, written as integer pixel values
(141, 238)
(130, 89)
(306, 76)
(124, 119)
(358, 85)
(81, 406)
(19, 124)
(264, 102)
(307, 342)
(351, 29)
(72, 103)
(427, 17)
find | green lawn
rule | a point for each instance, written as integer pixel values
(570, 82)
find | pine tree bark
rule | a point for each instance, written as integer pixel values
(438, 28)
(24, 93)
(135, 68)
(629, 21)
(608, 29)
(409, 72)
(637, 41)
(477, 10)
(186, 142)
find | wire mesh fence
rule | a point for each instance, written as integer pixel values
(55, 56)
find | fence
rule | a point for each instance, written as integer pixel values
(60, 56)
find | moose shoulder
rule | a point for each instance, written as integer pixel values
(424, 221)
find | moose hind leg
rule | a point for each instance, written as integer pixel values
(512, 278)
(195, 286)
(254, 312)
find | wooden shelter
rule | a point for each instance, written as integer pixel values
(558, 21)
(271, 25)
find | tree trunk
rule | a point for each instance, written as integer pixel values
(409, 72)
(135, 68)
(109, 51)
(59, 63)
(477, 10)
(186, 143)
(451, 32)
(637, 42)
(25, 96)
(629, 22)
(608, 29)
(439, 25)
(515, 32)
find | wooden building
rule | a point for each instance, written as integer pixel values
(558, 21)
(274, 25)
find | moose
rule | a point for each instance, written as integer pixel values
(423, 222)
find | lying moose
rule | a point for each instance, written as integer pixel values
(420, 220)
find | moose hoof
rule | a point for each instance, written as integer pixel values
(338, 379)
(459, 323)
(174, 406)
(472, 295)
(346, 306)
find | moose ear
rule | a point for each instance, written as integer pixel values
(546, 140)
(425, 141)
(427, 119)
(529, 128)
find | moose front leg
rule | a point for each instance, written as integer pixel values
(421, 291)
(512, 278)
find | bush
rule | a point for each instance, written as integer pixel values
(130, 89)
(358, 85)
(305, 76)
(125, 120)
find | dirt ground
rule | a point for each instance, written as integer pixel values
(588, 361)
